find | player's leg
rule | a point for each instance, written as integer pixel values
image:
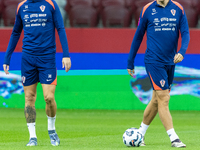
(48, 79)
(30, 79)
(166, 119)
(151, 110)
(30, 112)
(51, 107)
(149, 114)
(161, 77)
(163, 97)
(171, 132)
(163, 108)
(49, 92)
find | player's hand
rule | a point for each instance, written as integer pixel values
(66, 62)
(6, 68)
(178, 58)
(131, 72)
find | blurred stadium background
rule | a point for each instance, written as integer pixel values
(100, 13)
(99, 34)
(97, 100)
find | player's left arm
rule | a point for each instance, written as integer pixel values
(59, 24)
(185, 35)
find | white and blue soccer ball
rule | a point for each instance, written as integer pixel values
(132, 137)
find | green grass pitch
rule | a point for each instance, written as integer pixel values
(95, 130)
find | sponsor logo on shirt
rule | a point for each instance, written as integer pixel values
(26, 16)
(26, 8)
(42, 15)
(35, 20)
(164, 19)
(158, 29)
(172, 19)
(33, 15)
(156, 20)
(165, 24)
(154, 11)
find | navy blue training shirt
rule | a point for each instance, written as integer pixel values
(162, 26)
(38, 19)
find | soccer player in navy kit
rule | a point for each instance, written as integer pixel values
(38, 19)
(161, 20)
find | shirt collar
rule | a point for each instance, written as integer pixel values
(161, 6)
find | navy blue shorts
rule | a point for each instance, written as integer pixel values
(161, 76)
(38, 69)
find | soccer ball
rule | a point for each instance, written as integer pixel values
(132, 137)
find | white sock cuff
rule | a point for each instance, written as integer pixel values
(31, 124)
(143, 128)
(170, 131)
(51, 123)
(51, 117)
(144, 125)
(172, 134)
(31, 128)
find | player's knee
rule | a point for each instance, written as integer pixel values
(163, 97)
(30, 98)
(49, 99)
(154, 102)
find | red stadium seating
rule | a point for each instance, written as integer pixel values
(115, 13)
(1, 8)
(72, 3)
(130, 4)
(11, 2)
(114, 16)
(82, 16)
(141, 3)
(83, 13)
(106, 3)
(192, 17)
(9, 11)
(80, 2)
(196, 4)
(186, 3)
(96, 3)
(9, 15)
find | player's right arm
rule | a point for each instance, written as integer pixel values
(13, 41)
(137, 40)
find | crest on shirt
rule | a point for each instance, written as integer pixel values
(42, 8)
(23, 79)
(162, 83)
(173, 12)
